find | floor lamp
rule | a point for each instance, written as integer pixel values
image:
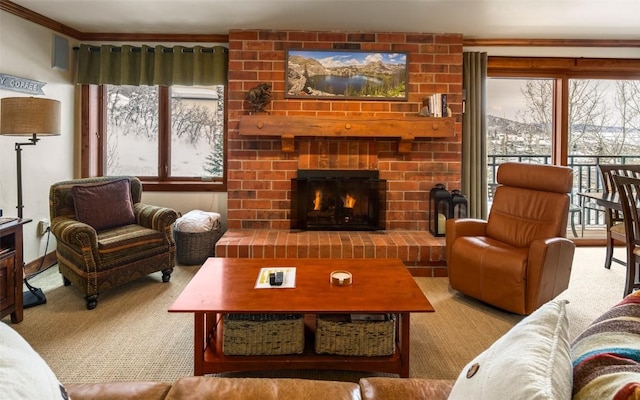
(28, 116)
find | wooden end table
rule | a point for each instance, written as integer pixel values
(11, 267)
(226, 285)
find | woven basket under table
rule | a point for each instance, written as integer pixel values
(263, 334)
(338, 334)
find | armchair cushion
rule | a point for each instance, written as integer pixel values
(129, 243)
(104, 205)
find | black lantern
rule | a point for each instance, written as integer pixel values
(440, 208)
(458, 205)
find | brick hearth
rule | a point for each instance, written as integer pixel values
(423, 254)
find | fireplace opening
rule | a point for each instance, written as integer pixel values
(349, 200)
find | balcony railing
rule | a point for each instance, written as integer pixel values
(585, 177)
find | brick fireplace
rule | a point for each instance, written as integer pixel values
(260, 172)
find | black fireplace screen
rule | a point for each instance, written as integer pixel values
(350, 200)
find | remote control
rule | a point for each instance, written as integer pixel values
(276, 279)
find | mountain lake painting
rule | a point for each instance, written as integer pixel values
(346, 74)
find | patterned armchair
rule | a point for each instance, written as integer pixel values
(106, 237)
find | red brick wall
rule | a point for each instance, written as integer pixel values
(259, 186)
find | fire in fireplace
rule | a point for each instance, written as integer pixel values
(349, 200)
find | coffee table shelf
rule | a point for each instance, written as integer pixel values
(226, 285)
(215, 361)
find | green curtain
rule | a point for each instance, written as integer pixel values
(147, 65)
(474, 133)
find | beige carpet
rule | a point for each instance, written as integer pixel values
(131, 336)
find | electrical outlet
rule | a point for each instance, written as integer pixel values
(43, 226)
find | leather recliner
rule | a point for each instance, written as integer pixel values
(519, 258)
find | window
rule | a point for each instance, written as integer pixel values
(604, 129)
(519, 115)
(605, 119)
(172, 138)
(519, 120)
(132, 137)
(576, 112)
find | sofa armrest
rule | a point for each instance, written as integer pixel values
(405, 388)
(118, 391)
(154, 217)
(74, 233)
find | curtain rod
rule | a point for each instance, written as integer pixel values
(153, 50)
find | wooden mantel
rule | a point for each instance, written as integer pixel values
(406, 129)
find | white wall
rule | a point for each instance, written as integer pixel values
(26, 51)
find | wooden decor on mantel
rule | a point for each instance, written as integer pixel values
(406, 129)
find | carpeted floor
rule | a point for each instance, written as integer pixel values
(131, 336)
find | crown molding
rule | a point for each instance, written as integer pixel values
(22, 12)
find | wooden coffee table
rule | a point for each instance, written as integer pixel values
(226, 285)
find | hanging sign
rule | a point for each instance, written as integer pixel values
(23, 85)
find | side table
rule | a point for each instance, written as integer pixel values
(11, 267)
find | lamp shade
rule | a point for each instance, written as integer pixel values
(28, 116)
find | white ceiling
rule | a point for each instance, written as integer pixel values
(511, 19)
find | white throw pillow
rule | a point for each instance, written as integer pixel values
(23, 373)
(532, 361)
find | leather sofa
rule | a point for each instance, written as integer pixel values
(534, 360)
(199, 388)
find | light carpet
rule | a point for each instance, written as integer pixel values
(131, 336)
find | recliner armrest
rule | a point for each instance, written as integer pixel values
(550, 250)
(154, 217)
(549, 270)
(463, 227)
(467, 227)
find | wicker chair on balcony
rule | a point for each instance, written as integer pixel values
(106, 237)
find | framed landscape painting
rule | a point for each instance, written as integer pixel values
(346, 74)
